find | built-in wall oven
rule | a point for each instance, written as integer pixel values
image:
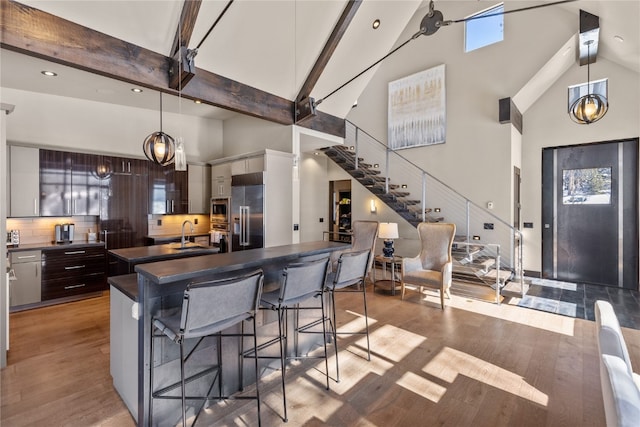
(220, 218)
(220, 210)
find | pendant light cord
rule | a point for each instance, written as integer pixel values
(588, 67)
(160, 112)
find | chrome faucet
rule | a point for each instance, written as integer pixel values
(182, 240)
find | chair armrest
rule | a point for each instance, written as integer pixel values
(411, 264)
(447, 271)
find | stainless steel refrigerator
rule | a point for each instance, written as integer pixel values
(247, 211)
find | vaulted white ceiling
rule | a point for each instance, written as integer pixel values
(272, 44)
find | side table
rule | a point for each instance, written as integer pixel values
(388, 284)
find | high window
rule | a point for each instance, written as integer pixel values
(484, 28)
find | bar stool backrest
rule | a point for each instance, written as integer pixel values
(303, 280)
(211, 306)
(352, 268)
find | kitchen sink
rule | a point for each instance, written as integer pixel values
(187, 246)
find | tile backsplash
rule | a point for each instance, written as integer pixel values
(172, 224)
(42, 230)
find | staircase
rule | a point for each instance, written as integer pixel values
(487, 251)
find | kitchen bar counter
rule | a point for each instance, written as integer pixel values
(184, 269)
(160, 289)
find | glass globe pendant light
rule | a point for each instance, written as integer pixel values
(592, 106)
(159, 147)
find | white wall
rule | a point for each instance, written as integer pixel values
(314, 197)
(478, 156)
(77, 125)
(244, 134)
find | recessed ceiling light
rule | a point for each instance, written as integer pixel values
(136, 90)
(316, 153)
(49, 73)
(376, 24)
(197, 101)
(618, 39)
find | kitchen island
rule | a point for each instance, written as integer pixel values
(124, 260)
(160, 287)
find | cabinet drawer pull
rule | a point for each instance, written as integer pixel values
(26, 256)
(74, 286)
(75, 252)
(75, 267)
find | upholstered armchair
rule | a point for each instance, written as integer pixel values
(433, 265)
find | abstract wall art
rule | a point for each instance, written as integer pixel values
(417, 109)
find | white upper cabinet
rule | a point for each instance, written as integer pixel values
(199, 188)
(24, 181)
(247, 165)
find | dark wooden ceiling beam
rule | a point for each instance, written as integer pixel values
(36, 33)
(330, 46)
(188, 17)
(183, 67)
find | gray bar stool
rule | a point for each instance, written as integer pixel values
(351, 270)
(208, 308)
(300, 282)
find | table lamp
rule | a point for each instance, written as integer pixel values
(388, 231)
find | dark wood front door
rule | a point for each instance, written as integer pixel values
(590, 213)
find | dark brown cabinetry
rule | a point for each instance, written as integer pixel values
(69, 183)
(123, 197)
(72, 271)
(55, 183)
(85, 184)
(168, 190)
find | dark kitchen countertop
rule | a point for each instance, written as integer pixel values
(177, 270)
(50, 246)
(127, 284)
(143, 254)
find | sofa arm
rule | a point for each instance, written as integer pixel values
(621, 395)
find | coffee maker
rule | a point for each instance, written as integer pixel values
(64, 233)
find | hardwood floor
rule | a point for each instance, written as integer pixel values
(474, 363)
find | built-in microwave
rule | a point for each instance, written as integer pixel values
(220, 210)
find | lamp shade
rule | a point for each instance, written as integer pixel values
(159, 148)
(589, 108)
(388, 230)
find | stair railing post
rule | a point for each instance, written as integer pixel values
(356, 146)
(468, 214)
(520, 244)
(424, 197)
(497, 274)
(386, 172)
